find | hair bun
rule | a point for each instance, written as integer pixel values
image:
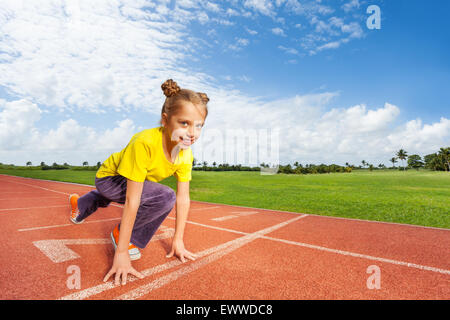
(170, 88)
(204, 97)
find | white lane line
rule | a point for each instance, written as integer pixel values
(26, 198)
(86, 293)
(212, 227)
(65, 225)
(207, 208)
(239, 214)
(217, 254)
(245, 213)
(358, 255)
(37, 179)
(38, 187)
(12, 209)
(224, 218)
(16, 192)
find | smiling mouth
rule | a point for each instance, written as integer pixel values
(186, 142)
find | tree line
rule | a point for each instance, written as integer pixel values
(438, 161)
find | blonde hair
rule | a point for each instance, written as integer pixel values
(175, 96)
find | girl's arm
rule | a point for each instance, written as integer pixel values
(182, 209)
(122, 263)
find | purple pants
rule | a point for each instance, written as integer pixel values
(157, 201)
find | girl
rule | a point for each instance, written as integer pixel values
(131, 177)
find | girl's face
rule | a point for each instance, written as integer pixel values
(185, 126)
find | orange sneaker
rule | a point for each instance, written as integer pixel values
(133, 251)
(73, 201)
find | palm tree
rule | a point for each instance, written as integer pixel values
(402, 154)
(393, 160)
(364, 163)
(445, 154)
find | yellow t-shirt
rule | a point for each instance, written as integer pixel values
(144, 159)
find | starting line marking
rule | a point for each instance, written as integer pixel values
(57, 251)
(83, 294)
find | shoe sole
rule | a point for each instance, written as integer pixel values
(132, 256)
(70, 217)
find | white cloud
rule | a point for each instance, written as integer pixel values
(213, 7)
(94, 57)
(264, 7)
(352, 4)
(252, 32)
(416, 137)
(239, 44)
(288, 50)
(203, 17)
(244, 78)
(188, 4)
(330, 34)
(71, 142)
(278, 31)
(232, 12)
(17, 120)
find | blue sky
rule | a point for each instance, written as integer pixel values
(77, 80)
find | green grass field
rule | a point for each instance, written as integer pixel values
(412, 197)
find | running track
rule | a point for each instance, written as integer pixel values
(244, 253)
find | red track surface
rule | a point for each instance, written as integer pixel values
(257, 254)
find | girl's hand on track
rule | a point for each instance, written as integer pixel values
(122, 267)
(180, 251)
